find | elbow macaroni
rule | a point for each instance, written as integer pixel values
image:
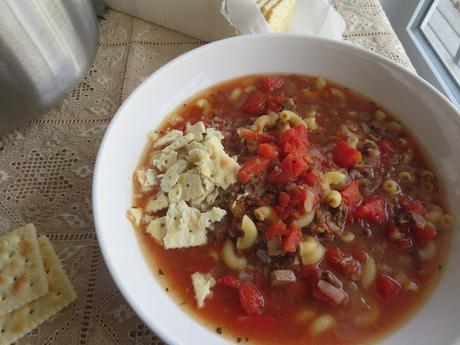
(310, 251)
(291, 118)
(311, 123)
(390, 187)
(265, 213)
(369, 273)
(235, 94)
(264, 121)
(338, 94)
(304, 220)
(204, 104)
(230, 259)
(446, 222)
(321, 324)
(333, 177)
(428, 252)
(333, 198)
(249, 234)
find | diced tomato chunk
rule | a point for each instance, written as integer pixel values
(425, 234)
(292, 239)
(263, 323)
(373, 210)
(253, 167)
(265, 138)
(387, 288)
(251, 299)
(275, 102)
(295, 139)
(359, 255)
(283, 199)
(410, 205)
(293, 165)
(397, 238)
(229, 280)
(310, 276)
(386, 146)
(351, 194)
(310, 179)
(255, 103)
(268, 151)
(277, 229)
(272, 82)
(344, 264)
(345, 156)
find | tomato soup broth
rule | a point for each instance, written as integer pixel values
(377, 216)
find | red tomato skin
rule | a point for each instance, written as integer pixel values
(387, 288)
(229, 280)
(373, 210)
(345, 156)
(293, 165)
(425, 234)
(268, 151)
(277, 229)
(310, 276)
(397, 238)
(292, 239)
(255, 103)
(272, 82)
(359, 255)
(295, 140)
(410, 205)
(386, 146)
(275, 102)
(251, 299)
(251, 168)
(283, 199)
(352, 195)
(343, 264)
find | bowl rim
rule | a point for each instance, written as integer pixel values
(103, 240)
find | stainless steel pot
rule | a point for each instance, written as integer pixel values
(46, 48)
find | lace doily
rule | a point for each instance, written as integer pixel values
(46, 167)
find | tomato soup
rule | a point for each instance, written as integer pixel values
(290, 209)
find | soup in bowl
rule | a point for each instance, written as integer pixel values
(282, 189)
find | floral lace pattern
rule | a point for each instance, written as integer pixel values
(46, 167)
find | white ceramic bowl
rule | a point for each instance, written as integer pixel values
(434, 121)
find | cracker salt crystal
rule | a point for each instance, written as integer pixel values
(22, 274)
(61, 293)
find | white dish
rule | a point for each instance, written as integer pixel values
(433, 120)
